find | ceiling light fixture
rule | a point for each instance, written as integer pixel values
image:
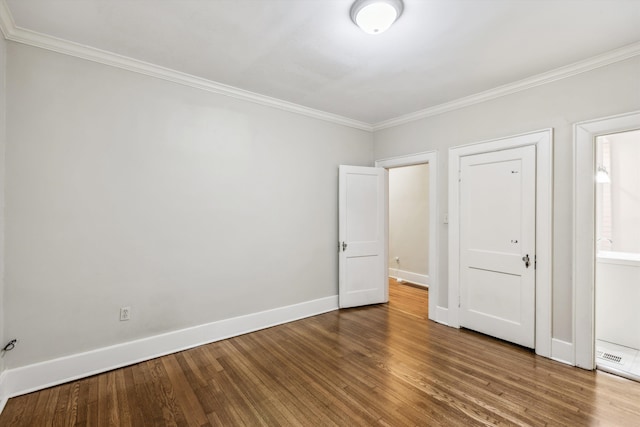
(376, 16)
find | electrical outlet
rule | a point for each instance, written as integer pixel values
(125, 313)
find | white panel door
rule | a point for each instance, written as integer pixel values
(362, 235)
(497, 244)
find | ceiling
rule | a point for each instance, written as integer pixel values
(308, 52)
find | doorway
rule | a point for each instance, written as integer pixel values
(497, 244)
(617, 253)
(584, 236)
(423, 268)
(541, 141)
(408, 244)
(409, 224)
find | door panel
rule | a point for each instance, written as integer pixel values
(362, 235)
(497, 229)
(492, 293)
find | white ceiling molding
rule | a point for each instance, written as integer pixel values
(6, 19)
(21, 35)
(32, 38)
(611, 57)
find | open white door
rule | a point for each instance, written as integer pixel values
(497, 244)
(362, 236)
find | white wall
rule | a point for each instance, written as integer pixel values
(625, 191)
(605, 91)
(3, 98)
(409, 218)
(190, 207)
(618, 298)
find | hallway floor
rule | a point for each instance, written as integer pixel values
(409, 299)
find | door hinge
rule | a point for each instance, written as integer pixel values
(459, 301)
(535, 262)
(459, 175)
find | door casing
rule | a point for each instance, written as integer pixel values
(543, 141)
(436, 311)
(497, 230)
(585, 134)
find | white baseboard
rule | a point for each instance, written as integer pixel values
(14, 382)
(408, 276)
(562, 351)
(442, 315)
(3, 394)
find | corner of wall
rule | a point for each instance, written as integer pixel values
(3, 137)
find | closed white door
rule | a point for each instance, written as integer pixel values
(362, 236)
(497, 244)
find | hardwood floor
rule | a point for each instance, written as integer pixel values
(376, 365)
(409, 299)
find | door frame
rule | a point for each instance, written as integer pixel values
(436, 313)
(584, 136)
(482, 174)
(543, 141)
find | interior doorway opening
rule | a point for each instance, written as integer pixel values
(413, 235)
(584, 236)
(408, 243)
(617, 253)
(409, 224)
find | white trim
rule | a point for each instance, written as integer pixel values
(579, 67)
(430, 157)
(3, 395)
(584, 135)
(409, 276)
(49, 373)
(408, 160)
(33, 38)
(442, 315)
(543, 140)
(44, 41)
(6, 19)
(562, 351)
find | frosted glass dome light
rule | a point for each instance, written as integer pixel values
(375, 16)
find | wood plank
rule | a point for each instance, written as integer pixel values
(384, 364)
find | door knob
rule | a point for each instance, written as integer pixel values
(527, 261)
(344, 246)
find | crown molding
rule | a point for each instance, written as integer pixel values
(33, 38)
(579, 67)
(21, 35)
(6, 19)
